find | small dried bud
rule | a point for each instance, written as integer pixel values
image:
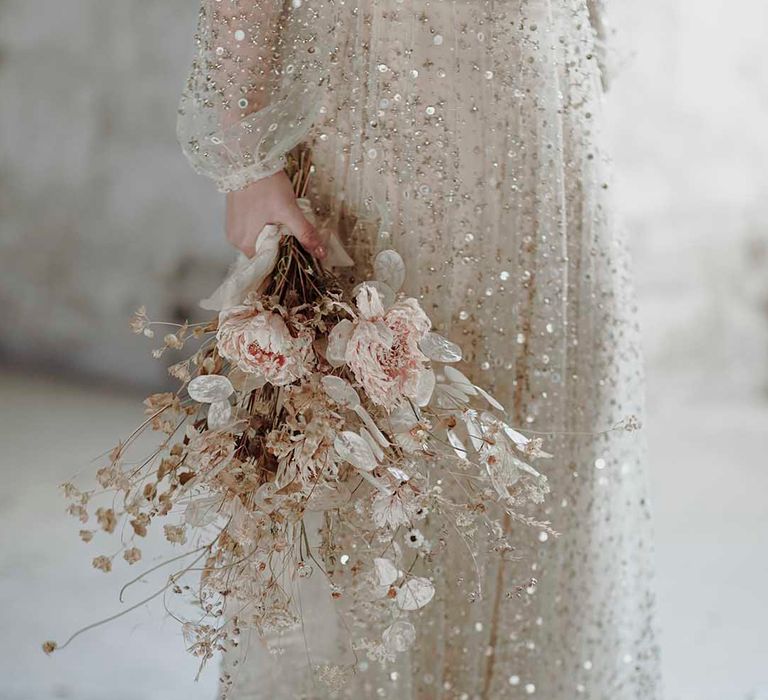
(180, 371)
(79, 512)
(172, 341)
(132, 555)
(184, 477)
(70, 490)
(86, 535)
(175, 534)
(103, 564)
(139, 524)
(106, 519)
(49, 647)
(140, 321)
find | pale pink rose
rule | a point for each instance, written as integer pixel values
(383, 348)
(259, 342)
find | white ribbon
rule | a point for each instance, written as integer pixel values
(248, 274)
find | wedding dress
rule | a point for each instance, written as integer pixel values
(464, 134)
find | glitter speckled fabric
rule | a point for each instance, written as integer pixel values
(464, 133)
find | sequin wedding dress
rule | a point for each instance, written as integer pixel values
(464, 134)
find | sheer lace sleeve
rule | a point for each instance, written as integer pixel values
(253, 90)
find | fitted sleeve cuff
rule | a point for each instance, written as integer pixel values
(242, 178)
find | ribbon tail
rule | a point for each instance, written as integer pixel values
(246, 273)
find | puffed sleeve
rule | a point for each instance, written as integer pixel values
(255, 85)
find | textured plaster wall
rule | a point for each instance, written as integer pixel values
(98, 210)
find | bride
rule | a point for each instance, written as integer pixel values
(464, 134)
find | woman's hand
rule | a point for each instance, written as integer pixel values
(270, 200)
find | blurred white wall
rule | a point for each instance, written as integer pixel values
(688, 112)
(687, 120)
(99, 211)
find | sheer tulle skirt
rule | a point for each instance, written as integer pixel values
(465, 135)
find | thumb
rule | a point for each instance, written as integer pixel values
(304, 231)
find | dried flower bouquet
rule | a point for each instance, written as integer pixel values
(313, 435)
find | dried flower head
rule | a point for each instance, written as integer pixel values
(102, 563)
(132, 555)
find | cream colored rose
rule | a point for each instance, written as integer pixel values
(259, 342)
(382, 349)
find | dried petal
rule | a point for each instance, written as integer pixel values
(451, 395)
(324, 496)
(399, 474)
(518, 438)
(353, 448)
(219, 414)
(415, 593)
(373, 429)
(203, 511)
(386, 572)
(209, 388)
(389, 268)
(338, 339)
(489, 398)
(458, 446)
(373, 298)
(400, 636)
(341, 391)
(474, 429)
(460, 380)
(440, 349)
(375, 447)
(425, 387)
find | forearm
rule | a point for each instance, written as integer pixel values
(244, 45)
(253, 91)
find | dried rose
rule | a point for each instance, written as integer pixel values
(383, 348)
(259, 342)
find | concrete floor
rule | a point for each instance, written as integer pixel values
(709, 484)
